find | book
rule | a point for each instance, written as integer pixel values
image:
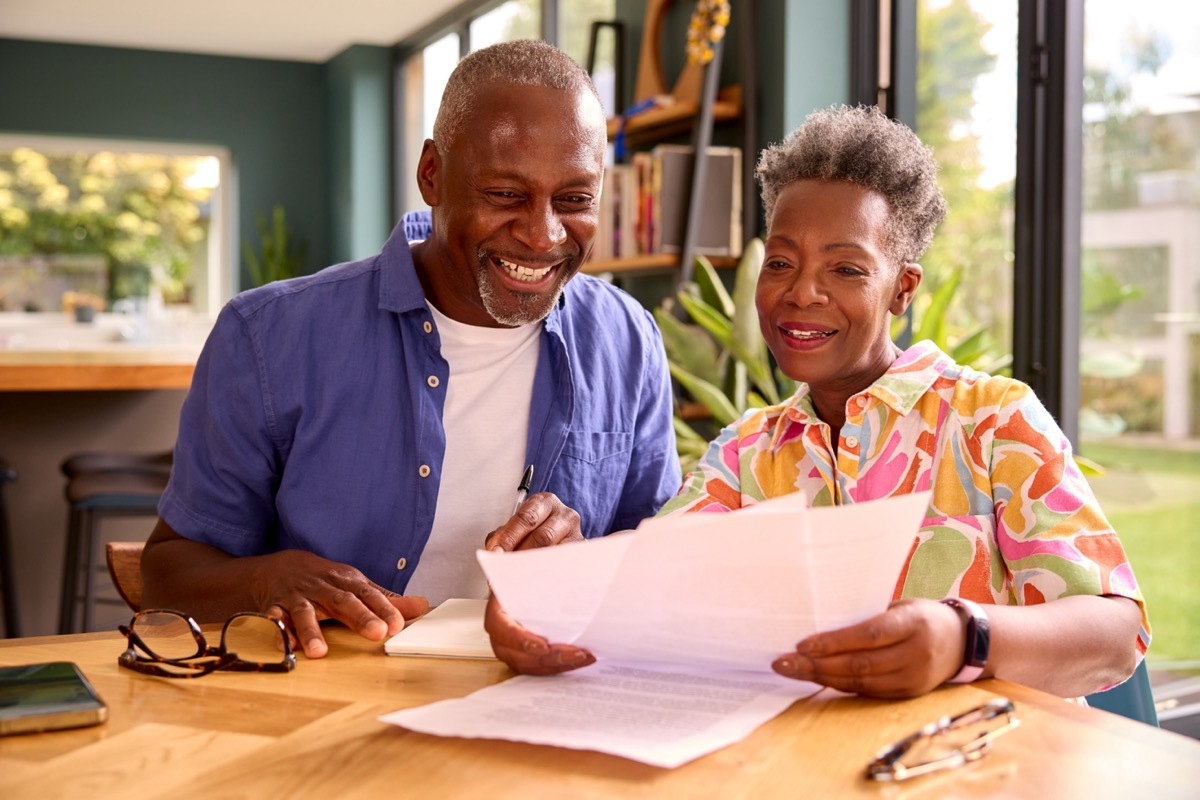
(719, 226)
(452, 630)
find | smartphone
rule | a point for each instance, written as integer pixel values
(46, 697)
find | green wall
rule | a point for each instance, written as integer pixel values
(360, 97)
(270, 114)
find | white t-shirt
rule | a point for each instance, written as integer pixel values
(486, 419)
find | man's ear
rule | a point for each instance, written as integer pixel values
(429, 167)
(907, 282)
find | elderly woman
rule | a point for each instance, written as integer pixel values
(1016, 574)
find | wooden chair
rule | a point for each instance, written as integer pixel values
(125, 566)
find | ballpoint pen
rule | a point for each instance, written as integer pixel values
(523, 489)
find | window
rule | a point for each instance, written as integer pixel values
(427, 61)
(966, 112)
(106, 223)
(1103, 263)
(515, 19)
(1139, 405)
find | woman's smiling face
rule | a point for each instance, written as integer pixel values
(828, 287)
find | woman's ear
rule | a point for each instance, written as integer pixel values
(429, 166)
(907, 281)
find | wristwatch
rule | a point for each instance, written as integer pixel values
(978, 638)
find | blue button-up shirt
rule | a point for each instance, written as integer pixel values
(314, 419)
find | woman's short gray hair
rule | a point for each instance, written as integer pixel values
(861, 145)
(526, 62)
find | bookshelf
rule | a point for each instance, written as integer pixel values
(697, 104)
(661, 123)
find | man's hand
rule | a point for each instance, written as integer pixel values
(302, 589)
(295, 586)
(907, 651)
(526, 652)
(541, 521)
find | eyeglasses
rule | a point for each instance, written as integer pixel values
(170, 644)
(945, 743)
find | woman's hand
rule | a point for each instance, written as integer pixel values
(526, 652)
(908, 650)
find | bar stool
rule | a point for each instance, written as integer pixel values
(101, 485)
(8, 589)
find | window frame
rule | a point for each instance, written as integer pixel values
(1048, 185)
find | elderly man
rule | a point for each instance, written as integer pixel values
(351, 437)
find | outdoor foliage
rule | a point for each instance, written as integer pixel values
(135, 210)
(971, 257)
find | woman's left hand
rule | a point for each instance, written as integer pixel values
(526, 652)
(908, 650)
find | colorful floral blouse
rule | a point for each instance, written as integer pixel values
(1011, 519)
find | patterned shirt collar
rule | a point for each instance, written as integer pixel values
(908, 378)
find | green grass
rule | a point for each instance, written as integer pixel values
(1164, 550)
(1152, 497)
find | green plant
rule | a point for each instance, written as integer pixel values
(719, 357)
(973, 348)
(279, 257)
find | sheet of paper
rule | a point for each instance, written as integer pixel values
(726, 589)
(453, 630)
(564, 585)
(649, 713)
(685, 617)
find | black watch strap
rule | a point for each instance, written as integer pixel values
(978, 638)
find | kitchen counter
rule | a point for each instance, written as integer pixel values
(50, 352)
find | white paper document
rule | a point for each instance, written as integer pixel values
(684, 617)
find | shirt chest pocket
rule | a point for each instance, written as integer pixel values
(591, 475)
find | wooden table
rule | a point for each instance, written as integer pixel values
(313, 733)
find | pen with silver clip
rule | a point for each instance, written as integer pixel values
(523, 489)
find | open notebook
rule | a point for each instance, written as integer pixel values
(452, 630)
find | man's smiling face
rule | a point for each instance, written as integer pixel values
(515, 203)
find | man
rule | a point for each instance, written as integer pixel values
(353, 435)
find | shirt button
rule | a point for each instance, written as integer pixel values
(428, 326)
(851, 441)
(433, 381)
(423, 471)
(401, 564)
(860, 401)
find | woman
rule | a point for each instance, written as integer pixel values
(851, 204)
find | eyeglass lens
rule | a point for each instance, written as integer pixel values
(948, 742)
(166, 635)
(968, 736)
(254, 638)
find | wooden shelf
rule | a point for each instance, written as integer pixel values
(659, 123)
(651, 262)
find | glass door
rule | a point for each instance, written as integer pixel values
(1139, 414)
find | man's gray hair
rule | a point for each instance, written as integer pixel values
(861, 145)
(526, 62)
